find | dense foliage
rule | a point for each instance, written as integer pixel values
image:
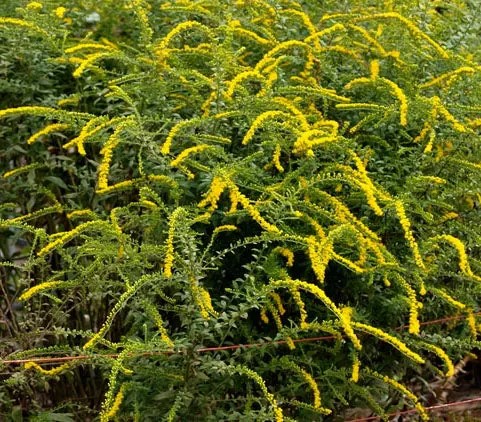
(184, 175)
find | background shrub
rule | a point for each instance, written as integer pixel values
(186, 175)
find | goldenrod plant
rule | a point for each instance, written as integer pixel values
(178, 176)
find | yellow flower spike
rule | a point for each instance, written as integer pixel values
(187, 152)
(51, 372)
(260, 120)
(217, 187)
(406, 225)
(417, 33)
(442, 78)
(89, 61)
(328, 31)
(448, 298)
(320, 294)
(307, 23)
(319, 253)
(65, 237)
(93, 127)
(275, 315)
(23, 24)
(374, 69)
(42, 286)
(278, 302)
(278, 414)
(165, 149)
(264, 317)
(414, 325)
(275, 160)
(114, 219)
(81, 213)
(441, 110)
(471, 319)
(127, 184)
(393, 341)
(296, 295)
(91, 46)
(225, 228)
(181, 27)
(402, 389)
(253, 211)
(169, 254)
(443, 355)
(241, 77)
(107, 150)
(355, 370)
(21, 170)
(115, 406)
(290, 343)
(286, 253)
(463, 257)
(365, 34)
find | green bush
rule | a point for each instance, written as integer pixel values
(179, 176)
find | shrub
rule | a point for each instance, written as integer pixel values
(179, 176)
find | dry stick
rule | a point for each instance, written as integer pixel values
(214, 349)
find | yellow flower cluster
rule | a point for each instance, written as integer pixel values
(409, 25)
(20, 170)
(60, 12)
(286, 253)
(406, 225)
(319, 253)
(165, 149)
(115, 406)
(81, 213)
(169, 253)
(413, 304)
(253, 211)
(51, 372)
(471, 319)
(217, 187)
(42, 286)
(87, 62)
(444, 356)
(275, 160)
(201, 297)
(241, 77)
(34, 5)
(463, 257)
(107, 150)
(355, 370)
(264, 317)
(45, 131)
(279, 417)
(448, 298)
(374, 69)
(403, 390)
(278, 302)
(127, 184)
(393, 341)
(260, 120)
(225, 228)
(160, 325)
(344, 317)
(449, 76)
(296, 295)
(184, 154)
(23, 24)
(65, 237)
